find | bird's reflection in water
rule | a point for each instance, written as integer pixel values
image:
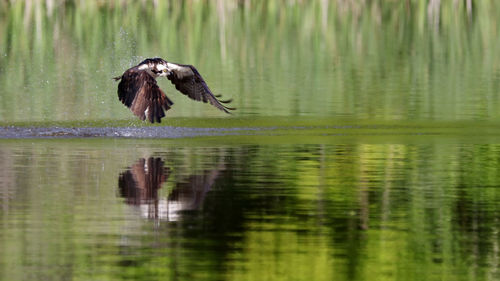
(140, 183)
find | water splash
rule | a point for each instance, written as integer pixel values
(124, 132)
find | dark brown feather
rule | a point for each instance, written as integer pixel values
(191, 84)
(139, 91)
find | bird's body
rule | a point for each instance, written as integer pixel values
(139, 91)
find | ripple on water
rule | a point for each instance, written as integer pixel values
(403, 130)
(124, 132)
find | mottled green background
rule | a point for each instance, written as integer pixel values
(385, 60)
(366, 144)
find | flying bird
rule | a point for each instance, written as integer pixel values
(139, 91)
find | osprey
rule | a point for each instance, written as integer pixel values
(139, 91)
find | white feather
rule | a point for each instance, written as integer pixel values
(180, 71)
(143, 66)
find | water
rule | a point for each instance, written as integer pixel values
(118, 209)
(377, 61)
(365, 146)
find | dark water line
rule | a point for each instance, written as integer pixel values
(124, 132)
(171, 132)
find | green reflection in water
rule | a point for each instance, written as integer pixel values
(391, 60)
(405, 189)
(107, 210)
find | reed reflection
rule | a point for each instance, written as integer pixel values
(141, 182)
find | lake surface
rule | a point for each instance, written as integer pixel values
(365, 146)
(113, 209)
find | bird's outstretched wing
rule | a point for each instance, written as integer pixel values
(188, 81)
(140, 92)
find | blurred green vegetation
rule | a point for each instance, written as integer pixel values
(382, 60)
(343, 211)
(344, 199)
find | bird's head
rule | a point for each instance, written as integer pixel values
(156, 67)
(161, 70)
(158, 70)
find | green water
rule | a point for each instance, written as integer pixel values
(111, 209)
(383, 61)
(365, 146)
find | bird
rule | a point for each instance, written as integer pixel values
(139, 91)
